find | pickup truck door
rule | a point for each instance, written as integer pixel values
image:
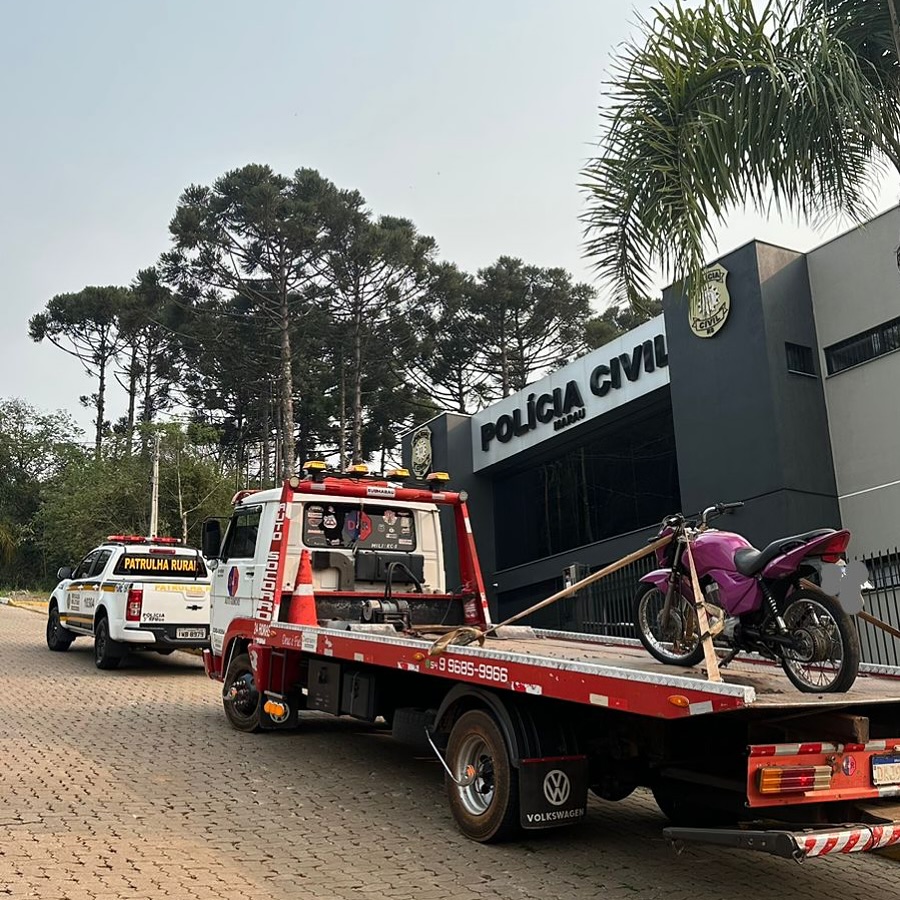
(74, 615)
(237, 574)
(92, 588)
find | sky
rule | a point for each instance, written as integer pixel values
(471, 118)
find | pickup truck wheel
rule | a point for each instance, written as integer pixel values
(59, 638)
(487, 809)
(107, 652)
(240, 696)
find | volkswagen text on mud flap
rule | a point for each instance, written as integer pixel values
(552, 791)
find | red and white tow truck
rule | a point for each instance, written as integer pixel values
(329, 595)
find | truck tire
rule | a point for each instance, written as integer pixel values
(240, 696)
(487, 810)
(107, 652)
(59, 638)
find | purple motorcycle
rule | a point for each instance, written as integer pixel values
(755, 600)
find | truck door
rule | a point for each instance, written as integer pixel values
(236, 575)
(73, 614)
(93, 589)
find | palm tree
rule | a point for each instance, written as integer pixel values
(795, 107)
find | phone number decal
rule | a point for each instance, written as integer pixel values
(470, 669)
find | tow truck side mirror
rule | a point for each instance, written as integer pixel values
(63, 573)
(212, 538)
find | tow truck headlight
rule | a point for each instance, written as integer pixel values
(794, 779)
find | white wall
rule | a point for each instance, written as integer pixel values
(855, 286)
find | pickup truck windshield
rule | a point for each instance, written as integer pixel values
(344, 525)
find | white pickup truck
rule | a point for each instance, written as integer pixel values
(132, 593)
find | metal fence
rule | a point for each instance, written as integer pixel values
(883, 602)
(605, 607)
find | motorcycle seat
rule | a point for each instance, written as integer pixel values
(750, 561)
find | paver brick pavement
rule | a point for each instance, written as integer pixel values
(130, 785)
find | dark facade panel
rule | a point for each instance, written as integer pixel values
(746, 428)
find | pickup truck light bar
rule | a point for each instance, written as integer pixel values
(140, 539)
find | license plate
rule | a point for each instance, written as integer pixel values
(886, 769)
(186, 633)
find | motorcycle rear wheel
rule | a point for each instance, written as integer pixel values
(826, 660)
(667, 644)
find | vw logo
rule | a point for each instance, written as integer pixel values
(557, 787)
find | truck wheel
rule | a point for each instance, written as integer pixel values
(240, 696)
(487, 810)
(107, 652)
(59, 638)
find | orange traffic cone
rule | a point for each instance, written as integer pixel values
(302, 610)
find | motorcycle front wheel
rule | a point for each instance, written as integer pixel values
(675, 642)
(824, 658)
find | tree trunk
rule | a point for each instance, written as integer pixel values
(101, 406)
(239, 450)
(342, 432)
(357, 381)
(504, 361)
(278, 467)
(132, 397)
(266, 402)
(182, 512)
(287, 391)
(147, 401)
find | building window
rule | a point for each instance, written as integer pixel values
(619, 478)
(863, 347)
(800, 359)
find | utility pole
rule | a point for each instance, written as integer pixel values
(154, 490)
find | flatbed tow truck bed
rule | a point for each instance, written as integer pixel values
(616, 673)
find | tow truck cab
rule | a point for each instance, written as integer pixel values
(360, 548)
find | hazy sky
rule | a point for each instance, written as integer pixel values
(472, 118)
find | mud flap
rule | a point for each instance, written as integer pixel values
(552, 791)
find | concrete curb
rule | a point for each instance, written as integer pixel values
(35, 606)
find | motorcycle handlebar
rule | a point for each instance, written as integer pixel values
(711, 512)
(719, 509)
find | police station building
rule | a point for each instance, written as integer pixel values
(781, 389)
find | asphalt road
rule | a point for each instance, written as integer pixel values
(130, 785)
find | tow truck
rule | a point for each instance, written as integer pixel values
(329, 595)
